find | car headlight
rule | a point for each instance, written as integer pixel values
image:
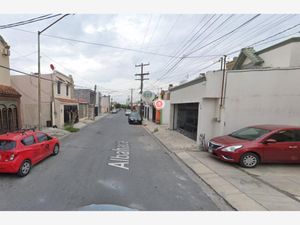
(232, 148)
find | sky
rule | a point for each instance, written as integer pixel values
(178, 47)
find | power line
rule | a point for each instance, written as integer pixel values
(28, 74)
(29, 21)
(230, 32)
(108, 46)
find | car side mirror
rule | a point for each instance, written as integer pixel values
(270, 141)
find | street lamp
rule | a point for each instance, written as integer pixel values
(39, 69)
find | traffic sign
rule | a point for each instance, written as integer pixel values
(148, 96)
(159, 104)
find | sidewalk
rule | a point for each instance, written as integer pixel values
(61, 133)
(265, 188)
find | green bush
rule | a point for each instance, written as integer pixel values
(71, 128)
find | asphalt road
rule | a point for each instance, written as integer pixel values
(89, 169)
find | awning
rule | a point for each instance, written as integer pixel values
(7, 91)
(67, 100)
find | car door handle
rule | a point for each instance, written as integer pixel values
(293, 146)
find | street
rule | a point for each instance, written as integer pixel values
(108, 162)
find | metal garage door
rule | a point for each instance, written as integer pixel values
(187, 119)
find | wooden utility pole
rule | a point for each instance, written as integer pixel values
(131, 103)
(141, 75)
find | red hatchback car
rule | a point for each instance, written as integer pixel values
(263, 143)
(20, 150)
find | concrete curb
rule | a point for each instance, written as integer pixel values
(233, 196)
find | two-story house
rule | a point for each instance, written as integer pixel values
(89, 96)
(10, 118)
(58, 106)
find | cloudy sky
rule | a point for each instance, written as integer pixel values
(104, 48)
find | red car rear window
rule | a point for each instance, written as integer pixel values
(7, 145)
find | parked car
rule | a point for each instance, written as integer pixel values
(134, 118)
(114, 111)
(19, 151)
(258, 144)
(127, 112)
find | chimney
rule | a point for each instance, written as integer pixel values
(170, 86)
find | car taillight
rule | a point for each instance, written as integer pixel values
(12, 157)
(9, 157)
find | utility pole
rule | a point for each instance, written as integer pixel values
(131, 103)
(223, 80)
(39, 69)
(95, 96)
(141, 75)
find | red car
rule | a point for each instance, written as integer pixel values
(263, 143)
(19, 151)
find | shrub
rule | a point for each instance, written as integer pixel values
(71, 128)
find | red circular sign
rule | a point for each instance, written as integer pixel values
(159, 104)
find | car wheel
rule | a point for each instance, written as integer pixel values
(249, 160)
(24, 168)
(55, 150)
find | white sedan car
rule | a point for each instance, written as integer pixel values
(127, 112)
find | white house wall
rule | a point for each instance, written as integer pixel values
(207, 94)
(262, 97)
(165, 119)
(188, 94)
(279, 57)
(295, 50)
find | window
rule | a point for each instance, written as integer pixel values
(297, 135)
(41, 137)
(7, 145)
(28, 141)
(284, 136)
(58, 87)
(249, 133)
(67, 90)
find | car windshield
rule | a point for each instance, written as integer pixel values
(135, 115)
(249, 133)
(7, 145)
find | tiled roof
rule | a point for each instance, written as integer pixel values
(8, 91)
(67, 100)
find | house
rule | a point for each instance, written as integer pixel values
(159, 116)
(260, 88)
(194, 106)
(105, 104)
(10, 117)
(264, 85)
(83, 109)
(98, 104)
(58, 105)
(89, 96)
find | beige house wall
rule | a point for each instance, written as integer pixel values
(4, 73)
(27, 87)
(51, 109)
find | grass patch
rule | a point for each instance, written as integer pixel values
(71, 128)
